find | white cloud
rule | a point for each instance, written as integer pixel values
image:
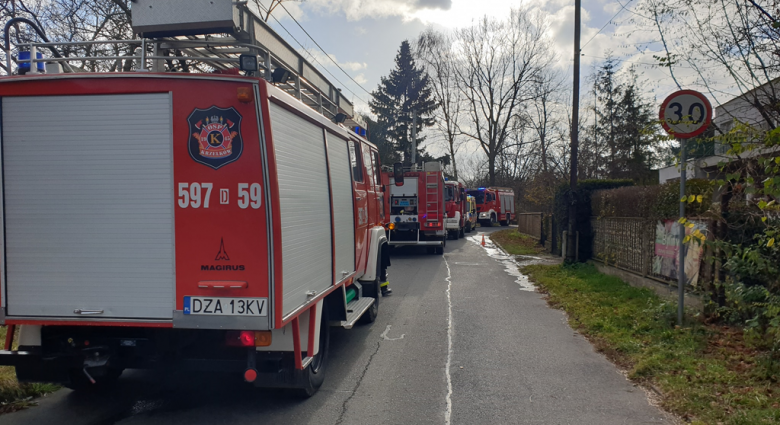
(359, 9)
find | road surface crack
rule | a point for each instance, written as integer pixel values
(357, 385)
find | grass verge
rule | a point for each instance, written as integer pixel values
(707, 374)
(13, 395)
(516, 243)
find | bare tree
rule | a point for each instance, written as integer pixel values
(720, 39)
(498, 64)
(75, 20)
(435, 54)
(543, 116)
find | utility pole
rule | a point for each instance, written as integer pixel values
(571, 237)
(681, 243)
(414, 136)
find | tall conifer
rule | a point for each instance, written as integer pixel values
(406, 89)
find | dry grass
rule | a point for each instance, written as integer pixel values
(516, 243)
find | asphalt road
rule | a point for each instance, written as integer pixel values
(461, 341)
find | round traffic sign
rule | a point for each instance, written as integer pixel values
(686, 114)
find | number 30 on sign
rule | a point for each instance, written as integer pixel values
(686, 114)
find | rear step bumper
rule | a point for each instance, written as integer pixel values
(34, 367)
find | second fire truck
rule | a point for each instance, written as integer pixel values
(416, 209)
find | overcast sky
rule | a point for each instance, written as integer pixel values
(364, 35)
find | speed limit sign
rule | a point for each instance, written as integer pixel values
(686, 114)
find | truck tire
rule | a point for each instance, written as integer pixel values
(370, 315)
(468, 227)
(439, 250)
(314, 375)
(505, 222)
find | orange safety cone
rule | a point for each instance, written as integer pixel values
(483, 240)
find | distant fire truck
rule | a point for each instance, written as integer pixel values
(184, 220)
(494, 205)
(415, 204)
(456, 223)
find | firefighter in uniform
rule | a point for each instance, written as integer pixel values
(384, 285)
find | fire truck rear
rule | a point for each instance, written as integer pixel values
(416, 209)
(170, 220)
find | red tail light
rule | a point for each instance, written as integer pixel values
(248, 338)
(240, 338)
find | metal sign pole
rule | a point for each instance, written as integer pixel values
(684, 114)
(681, 245)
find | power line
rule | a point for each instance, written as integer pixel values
(323, 50)
(314, 58)
(622, 8)
(634, 63)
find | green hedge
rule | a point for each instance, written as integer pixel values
(657, 202)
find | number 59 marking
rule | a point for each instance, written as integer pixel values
(252, 196)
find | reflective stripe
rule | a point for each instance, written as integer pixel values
(384, 284)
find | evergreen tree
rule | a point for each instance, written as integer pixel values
(608, 91)
(624, 139)
(406, 89)
(377, 134)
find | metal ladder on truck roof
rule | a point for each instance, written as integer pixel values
(170, 43)
(432, 194)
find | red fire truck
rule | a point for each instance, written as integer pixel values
(415, 203)
(456, 223)
(494, 205)
(167, 220)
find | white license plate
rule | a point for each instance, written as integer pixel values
(224, 306)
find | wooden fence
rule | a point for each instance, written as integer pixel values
(531, 224)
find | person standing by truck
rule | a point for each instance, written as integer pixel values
(385, 282)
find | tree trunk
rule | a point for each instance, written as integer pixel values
(452, 156)
(492, 168)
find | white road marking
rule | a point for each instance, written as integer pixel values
(448, 412)
(386, 338)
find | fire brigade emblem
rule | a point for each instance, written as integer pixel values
(215, 136)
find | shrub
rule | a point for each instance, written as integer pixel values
(625, 201)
